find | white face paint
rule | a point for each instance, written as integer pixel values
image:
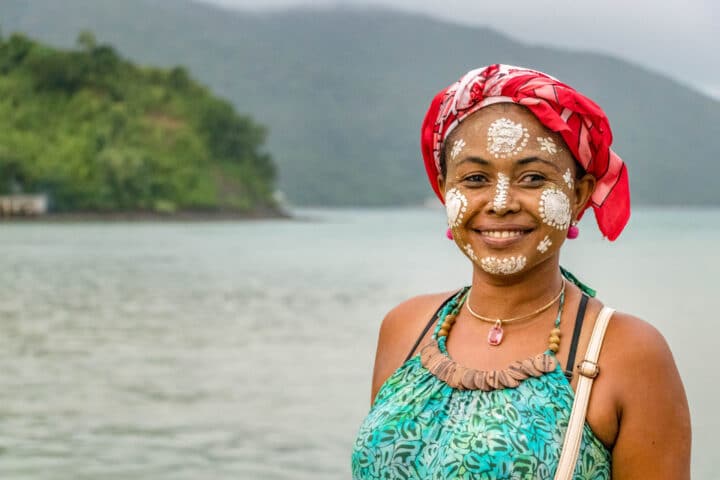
(455, 206)
(470, 252)
(506, 138)
(457, 148)
(555, 208)
(503, 266)
(547, 144)
(501, 191)
(568, 177)
(544, 245)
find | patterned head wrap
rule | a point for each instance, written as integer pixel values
(580, 121)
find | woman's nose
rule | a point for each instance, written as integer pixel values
(501, 202)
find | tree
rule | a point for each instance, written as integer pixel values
(86, 41)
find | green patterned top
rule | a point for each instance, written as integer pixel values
(421, 428)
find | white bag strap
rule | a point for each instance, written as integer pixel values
(588, 370)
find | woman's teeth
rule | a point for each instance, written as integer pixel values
(502, 233)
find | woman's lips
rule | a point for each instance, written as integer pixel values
(502, 237)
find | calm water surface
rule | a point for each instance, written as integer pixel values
(244, 350)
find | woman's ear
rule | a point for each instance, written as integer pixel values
(441, 184)
(584, 187)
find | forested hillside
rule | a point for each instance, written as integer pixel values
(98, 133)
(344, 90)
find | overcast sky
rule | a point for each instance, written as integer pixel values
(678, 37)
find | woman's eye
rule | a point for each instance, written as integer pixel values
(477, 178)
(533, 178)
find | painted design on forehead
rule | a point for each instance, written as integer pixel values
(555, 208)
(455, 206)
(568, 177)
(506, 138)
(470, 252)
(544, 245)
(457, 147)
(503, 266)
(501, 191)
(547, 144)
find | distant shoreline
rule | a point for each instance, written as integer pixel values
(182, 216)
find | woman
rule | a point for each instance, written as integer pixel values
(516, 157)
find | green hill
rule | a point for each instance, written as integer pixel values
(97, 133)
(344, 91)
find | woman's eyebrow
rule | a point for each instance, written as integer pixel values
(525, 161)
(479, 160)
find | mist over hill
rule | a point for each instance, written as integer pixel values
(343, 91)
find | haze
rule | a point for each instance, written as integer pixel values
(674, 37)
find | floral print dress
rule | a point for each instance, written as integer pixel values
(421, 428)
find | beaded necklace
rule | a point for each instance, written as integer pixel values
(435, 358)
(496, 334)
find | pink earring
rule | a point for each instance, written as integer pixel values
(449, 234)
(573, 231)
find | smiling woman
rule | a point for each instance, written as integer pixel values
(500, 171)
(494, 389)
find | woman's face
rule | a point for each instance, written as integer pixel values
(511, 190)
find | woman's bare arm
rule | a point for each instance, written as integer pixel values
(654, 436)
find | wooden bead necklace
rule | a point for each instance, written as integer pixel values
(435, 358)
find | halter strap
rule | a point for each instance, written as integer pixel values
(576, 337)
(430, 323)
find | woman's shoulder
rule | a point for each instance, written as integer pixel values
(629, 342)
(403, 323)
(629, 338)
(400, 329)
(417, 309)
(636, 363)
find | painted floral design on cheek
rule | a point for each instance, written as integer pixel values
(501, 191)
(470, 252)
(506, 138)
(544, 245)
(455, 206)
(555, 208)
(503, 266)
(568, 177)
(457, 148)
(547, 144)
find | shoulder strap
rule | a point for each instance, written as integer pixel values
(588, 370)
(570, 365)
(430, 324)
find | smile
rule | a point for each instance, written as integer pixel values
(502, 233)
(500, 237)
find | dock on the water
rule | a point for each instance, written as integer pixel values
(17, 205)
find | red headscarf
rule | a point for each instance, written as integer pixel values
(580, 121)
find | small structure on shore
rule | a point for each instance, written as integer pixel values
(23, 205)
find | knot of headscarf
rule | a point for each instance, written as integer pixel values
(580, 121)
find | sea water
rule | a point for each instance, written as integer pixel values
(244, 350)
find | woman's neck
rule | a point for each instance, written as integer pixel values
(504, 297)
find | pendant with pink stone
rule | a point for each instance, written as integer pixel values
(495, 336)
